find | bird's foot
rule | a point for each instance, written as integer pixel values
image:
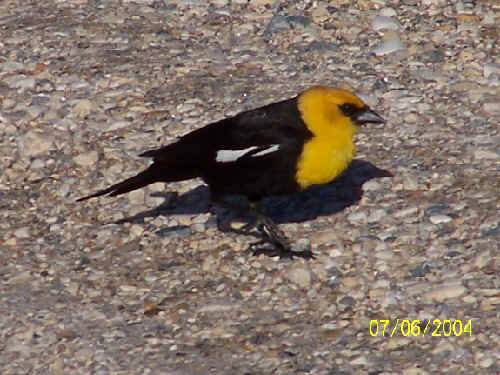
(270, 249)
(280, 244)
(272, 242)
(271, 231)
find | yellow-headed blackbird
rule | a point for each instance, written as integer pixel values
(280, 148)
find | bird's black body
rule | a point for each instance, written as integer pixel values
(195, 155)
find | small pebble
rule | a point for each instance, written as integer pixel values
(321, 46)
(137, 196)
(136, 230)
(34, 144)
(38, 164)
(440, 219)
(405, 212)
(444, 292)
(360, 361)
(23, 232)
(128, 288)
(388, 12)
(11, 66)
(299, 21)
(83, 108)
(372, 185)
(385, 23)
(490, 69)
(415, 371)
(358, 217)
(324, 237)
(21, 82)
(220, 3)
(420, 270)
(387, 47)
(487, 362)
(116, 125)
(492, 108)
(432, 56)
(87, 159)
(198, 227)
(216, 307)
(376, 216)
(300, 276)
(486, 154)
(482, 259)
(277, 23)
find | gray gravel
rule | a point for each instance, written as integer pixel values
(145, 284)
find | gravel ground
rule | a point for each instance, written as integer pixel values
(145, 284)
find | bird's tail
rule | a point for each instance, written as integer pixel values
(146, 177)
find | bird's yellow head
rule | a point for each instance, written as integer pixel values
(333, 116)
(326, 110)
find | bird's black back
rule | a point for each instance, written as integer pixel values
(273, 173)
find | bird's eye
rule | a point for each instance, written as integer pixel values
(349, 109)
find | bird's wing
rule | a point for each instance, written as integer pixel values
(274, 124)
(250, 134)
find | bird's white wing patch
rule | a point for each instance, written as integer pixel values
(227, 156)
(267, 150)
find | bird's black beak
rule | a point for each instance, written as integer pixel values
(366, 116)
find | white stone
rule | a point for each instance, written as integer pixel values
(86, 159)
(440, 219)
(387, 47)
(120, 124)
(385, 23)
(11, 66)
(33, 144)
(486, 154)
(388, 12)
(444, 292)
(490, 69)
(83, 108)
(492, 108)
(23, 232)
(300, 276)
(21, 82)
(357, 217)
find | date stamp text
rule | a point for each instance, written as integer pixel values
(416, 327)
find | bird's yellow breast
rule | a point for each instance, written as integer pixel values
(331, 149)
(322, 161)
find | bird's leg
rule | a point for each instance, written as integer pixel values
(269, 228)
(269, 232)
(275, 236)
(225, 225)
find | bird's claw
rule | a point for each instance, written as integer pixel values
(283, 252)
(273, 241)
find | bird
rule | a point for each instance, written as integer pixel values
(277, 149)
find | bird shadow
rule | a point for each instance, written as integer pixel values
(321, 200)
(324, 200)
